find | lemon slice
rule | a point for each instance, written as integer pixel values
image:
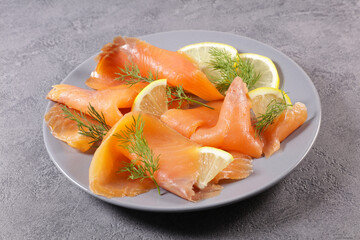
(263, 65)
(212, 161)
(152, 99)
(261, 97)
(199, 52)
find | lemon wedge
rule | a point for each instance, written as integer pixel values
(152, 99)
(212, 161)
(199, 52)
(261, 97)
(263, 65)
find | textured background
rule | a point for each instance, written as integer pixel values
(42, 41)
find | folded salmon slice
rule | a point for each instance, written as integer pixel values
(240, 168)
(65, 129)
(187, 121)
(107, 101)
(282, 127)
(104, 176)
(233, 130)
(105, 180)
(177, 68)
(179, 162)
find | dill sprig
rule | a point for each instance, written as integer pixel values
(177, 94)
(96, 130)
(231, 67)
(132, 75)
(273, 110)
(132, 139)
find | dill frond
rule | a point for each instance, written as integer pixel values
(231, 67)
(273, 110)
(132, 139)
(178, 94)
(131, 75)
(96, 130)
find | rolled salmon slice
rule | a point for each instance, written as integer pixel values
(240, 168)
(65, 129)
(106, 101)
(177, 68)
(179, 162)
(187, 121)
(233, 130)
(282, 127)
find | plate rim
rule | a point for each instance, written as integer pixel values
(193, 207)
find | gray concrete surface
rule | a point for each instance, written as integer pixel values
(42, 41)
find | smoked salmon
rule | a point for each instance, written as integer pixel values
(180, 140)
(240, 168)
(107, 101)
(233, 130)
(65, 129)
(176, 67)
(104, 176)
(179, 162)
(282, 127)
(187, 121)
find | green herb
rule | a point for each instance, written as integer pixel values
(96, 130)
(231, 67)
(132, 75)
(273, 110)
(177, 94)
(132, 139)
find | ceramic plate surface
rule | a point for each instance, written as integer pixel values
(267, 172)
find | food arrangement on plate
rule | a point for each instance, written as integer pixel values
(183, 121)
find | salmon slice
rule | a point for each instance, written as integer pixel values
(187, 121)
(282, 127)
(104, 178)
(177, 68)
(107, 101)
(65, 129)
(179, 162)
(240, 168)
(233, 130)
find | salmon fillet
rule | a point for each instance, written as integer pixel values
(233, 130)
(104, 178)
(187, 121)
(282, 127)
(179, 162)
(65, 129)
(107, 101)
(240, 168)
(177, 68)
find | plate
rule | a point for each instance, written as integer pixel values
(267, 172)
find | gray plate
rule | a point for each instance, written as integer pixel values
(267, 172)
